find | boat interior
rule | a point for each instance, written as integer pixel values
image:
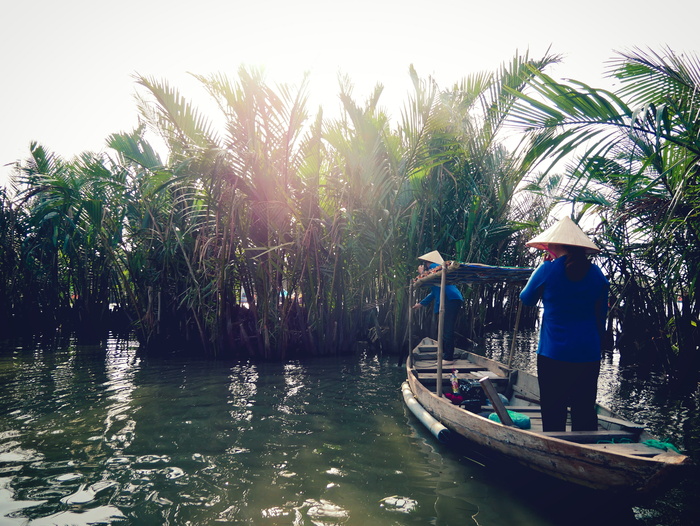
(507, 394)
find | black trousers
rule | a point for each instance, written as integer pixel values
(452, 308)
(564, 385)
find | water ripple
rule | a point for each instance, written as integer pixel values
(97, 435)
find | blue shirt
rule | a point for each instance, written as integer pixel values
(451, 293)
(574, 311)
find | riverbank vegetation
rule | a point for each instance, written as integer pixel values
(267, 231)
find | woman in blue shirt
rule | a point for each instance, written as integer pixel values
(574, 293)
(453, 304)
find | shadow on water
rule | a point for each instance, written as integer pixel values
(100, 435)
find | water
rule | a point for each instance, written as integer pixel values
(100, 435)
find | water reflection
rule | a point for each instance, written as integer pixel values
(99, 435)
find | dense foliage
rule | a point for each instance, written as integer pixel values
(276, 233)
(635, 163)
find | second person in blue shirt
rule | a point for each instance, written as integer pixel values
(453, 304)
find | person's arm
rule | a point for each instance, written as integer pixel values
(532, 292)
(425, 301)
(601, 307)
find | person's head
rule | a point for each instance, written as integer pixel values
(577, 263)
(565, 238)
(563, 232)
(557, 250)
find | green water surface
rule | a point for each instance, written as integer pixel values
(101, 435)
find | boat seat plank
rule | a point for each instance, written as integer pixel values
(620, 422)
(641, 450)
(490, 375)
(460, 368)
(431, 375)
(461, 373)
(591, 437)
(430, 384)
(517, 408)
(519, 394)
(493, 377)
(428, 357)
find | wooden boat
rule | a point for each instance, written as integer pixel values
(619, 456)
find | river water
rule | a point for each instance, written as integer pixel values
(102, 435)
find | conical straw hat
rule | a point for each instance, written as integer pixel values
(433, 257)
(563, 232)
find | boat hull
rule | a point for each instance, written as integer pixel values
(588, 465)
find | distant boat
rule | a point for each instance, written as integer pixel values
(620, 456)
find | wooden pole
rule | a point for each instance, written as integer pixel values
(441, 330)
(498, 406)
(410, 323)
(515, 334)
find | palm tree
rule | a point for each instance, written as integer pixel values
(466, 184)
(144, 261)
(74, 229)
(234, 201)
(14, 292)
(316, 224)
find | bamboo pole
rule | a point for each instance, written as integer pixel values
(410, 323)
(441, 330)
(515, 334)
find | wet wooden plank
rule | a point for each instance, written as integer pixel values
(465, 366)
(590, 437)
(629, 449)
(620, 422)
(492, 395)
(518, 408)
(428, 374)
(429, 378)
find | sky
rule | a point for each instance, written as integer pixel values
(68, 68)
